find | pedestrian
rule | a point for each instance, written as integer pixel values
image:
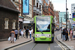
(66, 35)
(74, 34)
(71, 33)
(30, 32)
(12, 36)
(63, 35)
(22, 33)
(27, 30)
(16, 33)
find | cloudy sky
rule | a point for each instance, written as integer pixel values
(60, 5)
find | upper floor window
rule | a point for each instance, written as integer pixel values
(74, 7)
(16, 0)
(34, 2)
(47, 1)
(6, 23)
(37, 4)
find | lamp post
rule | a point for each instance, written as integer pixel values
(66, 14)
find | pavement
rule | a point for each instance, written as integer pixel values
(70, 44)
(7, 44)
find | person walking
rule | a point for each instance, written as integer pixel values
(74, 34)
(66, 35)
(63, 35)
(12, 36)
(21, 33)
(27, 30)
(16, 34)
(30, 32)
(24, 32)
(71, 33)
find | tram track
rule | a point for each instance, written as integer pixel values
(61, 44)
(48, 48)
(34, 46)
(38, 45)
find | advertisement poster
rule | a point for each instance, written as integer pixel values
(25, 7)
(73, 16)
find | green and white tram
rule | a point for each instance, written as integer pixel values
(43, 27)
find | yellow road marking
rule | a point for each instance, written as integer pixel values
(59, 45)
(48, 47)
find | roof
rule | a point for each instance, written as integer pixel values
(7, 4)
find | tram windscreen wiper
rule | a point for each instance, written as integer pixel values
(42, 32)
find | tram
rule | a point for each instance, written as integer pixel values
(43, 29)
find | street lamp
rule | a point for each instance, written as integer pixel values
(66, 14)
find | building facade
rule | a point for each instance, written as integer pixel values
(37, 7)
(72, 8)
(56, 18)
(18, 5)
(8, 18)
(62, 19)
(47, 8)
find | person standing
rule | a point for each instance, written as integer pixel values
(27, 30)
(66, 35)
(24, 32)
(30, 32)
(71, 33)
(21, 33)
(16, 33)
(74, 34)
(63, 35)
(12, 36)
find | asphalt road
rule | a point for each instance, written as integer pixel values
(40, 46)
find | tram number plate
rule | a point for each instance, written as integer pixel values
(43, 35)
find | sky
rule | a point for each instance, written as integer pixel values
(60, 5)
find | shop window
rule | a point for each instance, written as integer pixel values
(14, 24)
(6, 23)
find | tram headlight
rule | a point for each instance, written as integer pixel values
(48, 36)
(37, 35)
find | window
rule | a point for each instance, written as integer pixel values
(74, 7)
(6, 23)
(34, 2)
(37, 4)
(47, 1)
(43, 27)
(13, 24)
(16, 0)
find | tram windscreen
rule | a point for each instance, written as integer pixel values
(43, 24)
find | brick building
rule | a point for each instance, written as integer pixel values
(56, 18)
(37, 7)
(57, 15)
(47, 8)
(8, 18)
(18, 5)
